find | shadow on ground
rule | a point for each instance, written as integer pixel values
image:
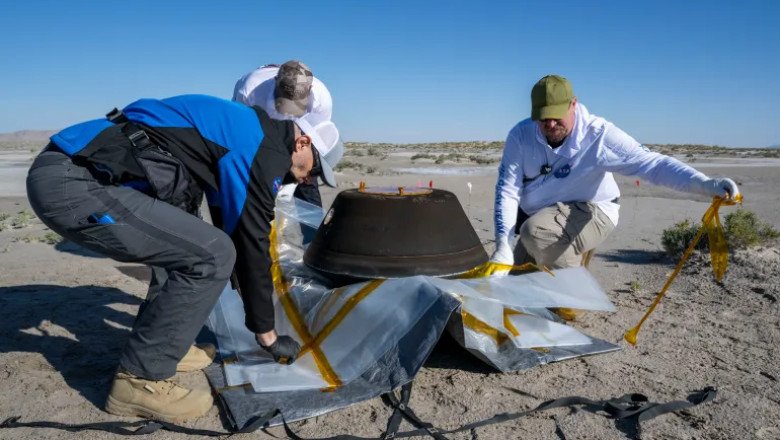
(70, 247)
(87, 360)
(449, 354)
(634, 256)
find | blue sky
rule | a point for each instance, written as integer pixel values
(410, 71)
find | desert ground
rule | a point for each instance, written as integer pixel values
(66, 313)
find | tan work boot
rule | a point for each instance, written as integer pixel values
(197, 358)
(156, 399)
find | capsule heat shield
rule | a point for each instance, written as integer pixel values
(391, 233)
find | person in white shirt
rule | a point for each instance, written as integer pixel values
(289, 91)
(555, 187)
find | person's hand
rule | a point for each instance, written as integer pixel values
(503, 255)
(284, 349)
(722, 187)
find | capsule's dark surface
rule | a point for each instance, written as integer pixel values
(395, 232)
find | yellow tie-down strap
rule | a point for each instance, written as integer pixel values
(498, 336)
(312, 343)
(489, 268)
(479, 326)
(281, 288)
(719, 255)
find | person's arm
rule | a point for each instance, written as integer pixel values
(508, 186)
(253, 261)
(240, 92)
(247, 89)
(621, 154)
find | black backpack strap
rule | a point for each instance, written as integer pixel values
(137, 136)
(116, 116)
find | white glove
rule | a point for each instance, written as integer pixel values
(503, 255)
(722, 187)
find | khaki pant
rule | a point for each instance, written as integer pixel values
(558, 235)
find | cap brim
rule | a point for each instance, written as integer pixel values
(326, 174)
(294, 107)
(557, 111)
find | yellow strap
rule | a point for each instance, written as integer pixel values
(282, 289)
(480, 326)
(508, 323)
(350, 304)
(718, 255)
(489, 268)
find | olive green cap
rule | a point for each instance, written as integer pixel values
(550, 98)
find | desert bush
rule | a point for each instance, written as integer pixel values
(742, 228)
(482, 160)
(3, 218)
(371, 170)
(453, 157)
(423, 156)
(48, 238)
(676, 238)
(348, 164)
(22, 219)
(354, 152)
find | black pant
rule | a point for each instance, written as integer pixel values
(194, 258)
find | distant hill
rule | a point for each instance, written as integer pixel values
(25, 139)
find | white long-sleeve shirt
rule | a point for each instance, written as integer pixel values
(257, 88)
(581, 169)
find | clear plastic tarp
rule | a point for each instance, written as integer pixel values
(344, 329)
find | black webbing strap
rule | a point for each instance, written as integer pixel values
(632, 407)
(137, 136)
(116, 116)
(401, 411)
(636, 406)
(401, 408)
(140, 427)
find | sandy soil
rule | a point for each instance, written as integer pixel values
(66, 314)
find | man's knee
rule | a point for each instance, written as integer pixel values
(222, 257)
(546, 241)
(540, 232)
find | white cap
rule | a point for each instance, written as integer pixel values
(327, 143)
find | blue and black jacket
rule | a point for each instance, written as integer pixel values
(236, 154)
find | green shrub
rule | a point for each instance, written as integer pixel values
(22, 219)
(742, 228)
(423, 156)
(483, 160)
(347, 164)
(51, 238)
(676, 238)
(354, 152)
